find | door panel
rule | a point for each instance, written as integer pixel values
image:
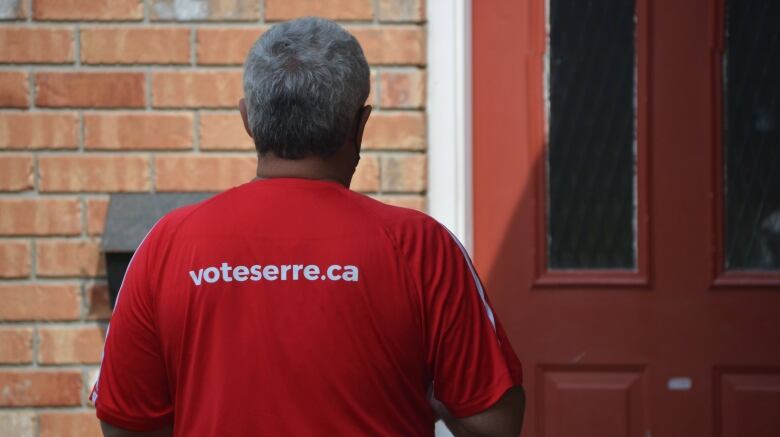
(634, 351)
(750, 402)
(606, 401)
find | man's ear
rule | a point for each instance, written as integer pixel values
(244, 116)
(365, 112)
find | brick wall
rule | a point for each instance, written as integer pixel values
(102, 96)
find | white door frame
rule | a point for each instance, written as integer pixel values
(449, 116)
(449, 121)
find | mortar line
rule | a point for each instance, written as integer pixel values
(81, 136)
(56, 324)
(48, 408)
(35, 346)
(83, 204)
(158, 67)
(101, 324)
(33, 92)
(33, 260)
(378, 89)
(152, 172)
(196, 131)
(193, 47)
(35, 174)
(377, 6)
(77, 44)
(33, 241)
(379, 172)
(141, 23)
(148, 89)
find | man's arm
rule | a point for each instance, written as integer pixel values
(112, 431)
(503, 419)
(132, 391)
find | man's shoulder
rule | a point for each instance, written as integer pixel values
(393, 215)
(406, 226)
(218, 204)
(177, 218)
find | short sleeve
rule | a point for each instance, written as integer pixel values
(132, 390)
(470, 357)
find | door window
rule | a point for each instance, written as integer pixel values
(751, 84)
(591, 135)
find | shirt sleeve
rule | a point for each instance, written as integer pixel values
(132, 389)
(470, 357)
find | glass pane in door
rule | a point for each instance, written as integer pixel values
(591, 159)
(752, 135)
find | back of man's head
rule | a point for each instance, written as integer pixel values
(305, 82)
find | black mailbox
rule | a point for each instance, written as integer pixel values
(129, 219)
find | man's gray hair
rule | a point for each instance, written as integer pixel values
(305, 82)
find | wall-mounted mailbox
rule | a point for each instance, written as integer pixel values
(129, 219)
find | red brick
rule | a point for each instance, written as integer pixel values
(93, 173)
(223, 131)
(277, 10)
(138, 131)
(225, 46)
(14, 259)
(82, 10)
(366, 178)
(210, 89)
(401, 10)
(13, 10)
(70, 345)
(28, 45)
(17, 423)
(40, 216)
(404, 201)
(404, 173)
(88, 90)
(98, 305)
(39, 302)
(16, 172)
(97, 207)
(211, 10)
(22, 130)
(14, 89)
(147, 45)
(392, 44)
(67, 424)
(403, 89)
(17, 345)
(203, 172)
(22, 388)
(401, 131)
(63, 258)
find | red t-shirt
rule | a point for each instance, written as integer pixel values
(298, 307)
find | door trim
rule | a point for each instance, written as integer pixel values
(449, 116)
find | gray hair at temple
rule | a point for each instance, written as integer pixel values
(305, 82)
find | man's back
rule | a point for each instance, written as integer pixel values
(297, 307)
(293, 306)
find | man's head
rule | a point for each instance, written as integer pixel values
(305, 85)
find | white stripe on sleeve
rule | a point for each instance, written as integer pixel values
(478, 283)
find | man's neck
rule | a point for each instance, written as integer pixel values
(270, 166)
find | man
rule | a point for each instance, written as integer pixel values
(291, 306)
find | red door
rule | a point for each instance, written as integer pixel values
(679, 333)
